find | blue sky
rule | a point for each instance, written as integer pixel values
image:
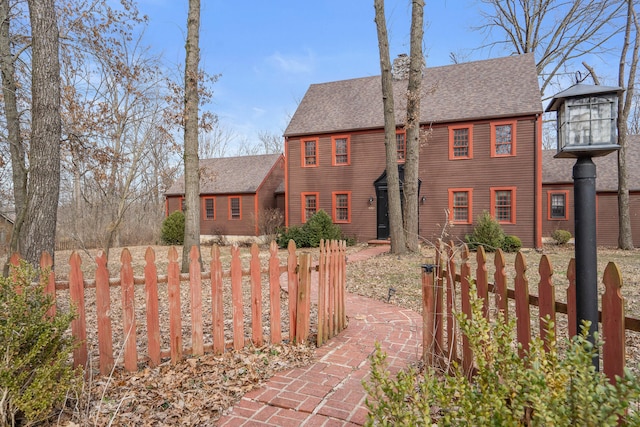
(269, 52)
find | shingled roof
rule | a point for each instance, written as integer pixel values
(559, 171)
(230, 175)
(490, 88)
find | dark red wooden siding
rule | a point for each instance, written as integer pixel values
(550, 225)
(606, 213)
(437, 173)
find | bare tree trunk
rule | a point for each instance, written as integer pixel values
(398, 243)
(16, 148)
(39, 230)
(191, 161)
(412, 160)
(625, 236)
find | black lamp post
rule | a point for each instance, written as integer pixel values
(587, 128)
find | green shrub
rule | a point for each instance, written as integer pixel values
(35, 368)
(511, 243)
(541, 389)
(561, 236)
(318, 227)
(487, 233)
(295, 233)
(173, 229)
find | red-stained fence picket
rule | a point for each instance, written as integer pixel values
(330, 279)
(442, 285)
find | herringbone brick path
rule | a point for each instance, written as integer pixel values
(330, 392)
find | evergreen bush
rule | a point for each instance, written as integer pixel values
(295, 233)
(561, 237)
(172, 232)
(487, 232)
(318, 227)
(35, 368)
(544, 388)
(511, 243)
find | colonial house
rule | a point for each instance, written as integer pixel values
(557, 197)
(235, 193)
(481, 151)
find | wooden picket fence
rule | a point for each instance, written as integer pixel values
(443, 288)
(225, 285)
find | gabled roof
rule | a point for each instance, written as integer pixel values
(230, 175)
(560, 171)
(490, 88)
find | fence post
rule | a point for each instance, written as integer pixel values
(292, 288)
(256, 296)
(324, 309)
(482, 280)
(572, 310)
(521, 291)
(303, 303)
(128, 312)
(342, 281)
(546, 299)
(500, 278)
(465, 296)
(153, 316)
(175, 310)
(79, 325)
(217, 301)
(195, 294)
(452, 329)
(332, 297)
(103, 307)
(428, 315)
(439, 295)
(613, 330)
(274, 293)
(236, 297)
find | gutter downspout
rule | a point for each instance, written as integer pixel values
(537, 134)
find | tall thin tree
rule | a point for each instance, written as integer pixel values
(191, 160)
(14, 133)
(412, 159)
(396, 232)
(39, 228)
(631, 35)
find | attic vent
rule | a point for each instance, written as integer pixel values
(400, 68)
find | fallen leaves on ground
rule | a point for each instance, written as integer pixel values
(193, 392)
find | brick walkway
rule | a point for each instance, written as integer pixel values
(329, 392)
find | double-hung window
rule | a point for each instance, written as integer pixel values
(340, 146)
(460, 142)
(503, 204)
(503, 139)
(557, 202)
(460, 205)
(309, 205)
(209, 208)
(342, 207)
(235, 209)
(309, 153)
